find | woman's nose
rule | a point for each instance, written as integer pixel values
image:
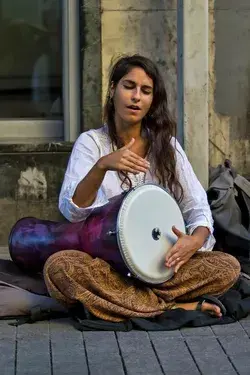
(136, 96)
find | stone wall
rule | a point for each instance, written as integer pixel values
(91, 64)
(31, 178)
(148, 27)
(230, 83)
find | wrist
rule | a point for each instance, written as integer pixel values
(101, 166)
(200, 235)
(198, 241)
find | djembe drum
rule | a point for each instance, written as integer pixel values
(133, 233)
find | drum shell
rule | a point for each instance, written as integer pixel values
(100, 234)
(33, 240)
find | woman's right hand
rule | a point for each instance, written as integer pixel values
(124, 160)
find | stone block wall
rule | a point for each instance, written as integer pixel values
(31, 177)
(148, 27)
(230, 83)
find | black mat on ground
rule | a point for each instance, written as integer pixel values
(236, 301)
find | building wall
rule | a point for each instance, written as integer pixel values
(31, 177)
(91, 49)
(230, 83)
(148, 27)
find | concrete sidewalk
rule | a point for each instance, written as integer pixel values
(56, 348)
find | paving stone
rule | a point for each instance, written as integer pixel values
(247, 318)
(235, 345)
(173, 354)
(103, 353)
(188, 351)
(67, 349)
(209, 356)
(197, 331)
(33, 349)
(138, 354)
(155, 334)
(229, 329)
(238, 349)
(245, 323)
(7, 348)
(242, 363)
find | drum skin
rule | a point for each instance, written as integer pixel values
(32, 240)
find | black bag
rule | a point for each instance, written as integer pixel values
(229, 199)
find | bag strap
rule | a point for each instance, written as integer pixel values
(37, 315)
(228, 165)
(243, 184)
(239, 181)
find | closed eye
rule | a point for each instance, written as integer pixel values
(128, 87)
(146, 92)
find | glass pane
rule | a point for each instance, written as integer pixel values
(31, 59)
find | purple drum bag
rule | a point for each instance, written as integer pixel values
(32, 240)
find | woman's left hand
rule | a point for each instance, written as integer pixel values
(183, 249)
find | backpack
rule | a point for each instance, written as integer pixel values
(229, 198)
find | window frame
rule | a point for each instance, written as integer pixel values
(28, 130)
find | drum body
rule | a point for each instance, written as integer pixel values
(32, 241)
(133, 233)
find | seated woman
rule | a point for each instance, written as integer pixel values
(137, 145)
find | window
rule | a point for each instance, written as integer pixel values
(34, 68)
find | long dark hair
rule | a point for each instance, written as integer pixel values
(158, 123)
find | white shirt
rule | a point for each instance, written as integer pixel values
(92, 145)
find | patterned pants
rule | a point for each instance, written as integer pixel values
(72, 276)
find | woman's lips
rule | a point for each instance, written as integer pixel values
(133, 109)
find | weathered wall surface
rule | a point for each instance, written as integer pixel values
(91, 64)
(230, 83)
(193, 82)
(31, 178)
(148, 27)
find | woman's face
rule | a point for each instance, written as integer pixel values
(133, 96)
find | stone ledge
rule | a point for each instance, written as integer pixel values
(36, 148)
(4, 252)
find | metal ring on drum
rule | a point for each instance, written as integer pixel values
(144, 232)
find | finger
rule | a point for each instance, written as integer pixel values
(170, 261)
(128, 169)
(173, 251)
(128, 145)
(130, 155)
(173, 257)
(137, 159)
(177, 232)
(135, 166)
(173, 262)
(127, 166)
(178, 266)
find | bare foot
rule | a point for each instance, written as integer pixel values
(210, 308)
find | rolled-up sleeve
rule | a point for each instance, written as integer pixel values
(194, 204)
(84, 155)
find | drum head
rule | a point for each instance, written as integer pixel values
(144, 232)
